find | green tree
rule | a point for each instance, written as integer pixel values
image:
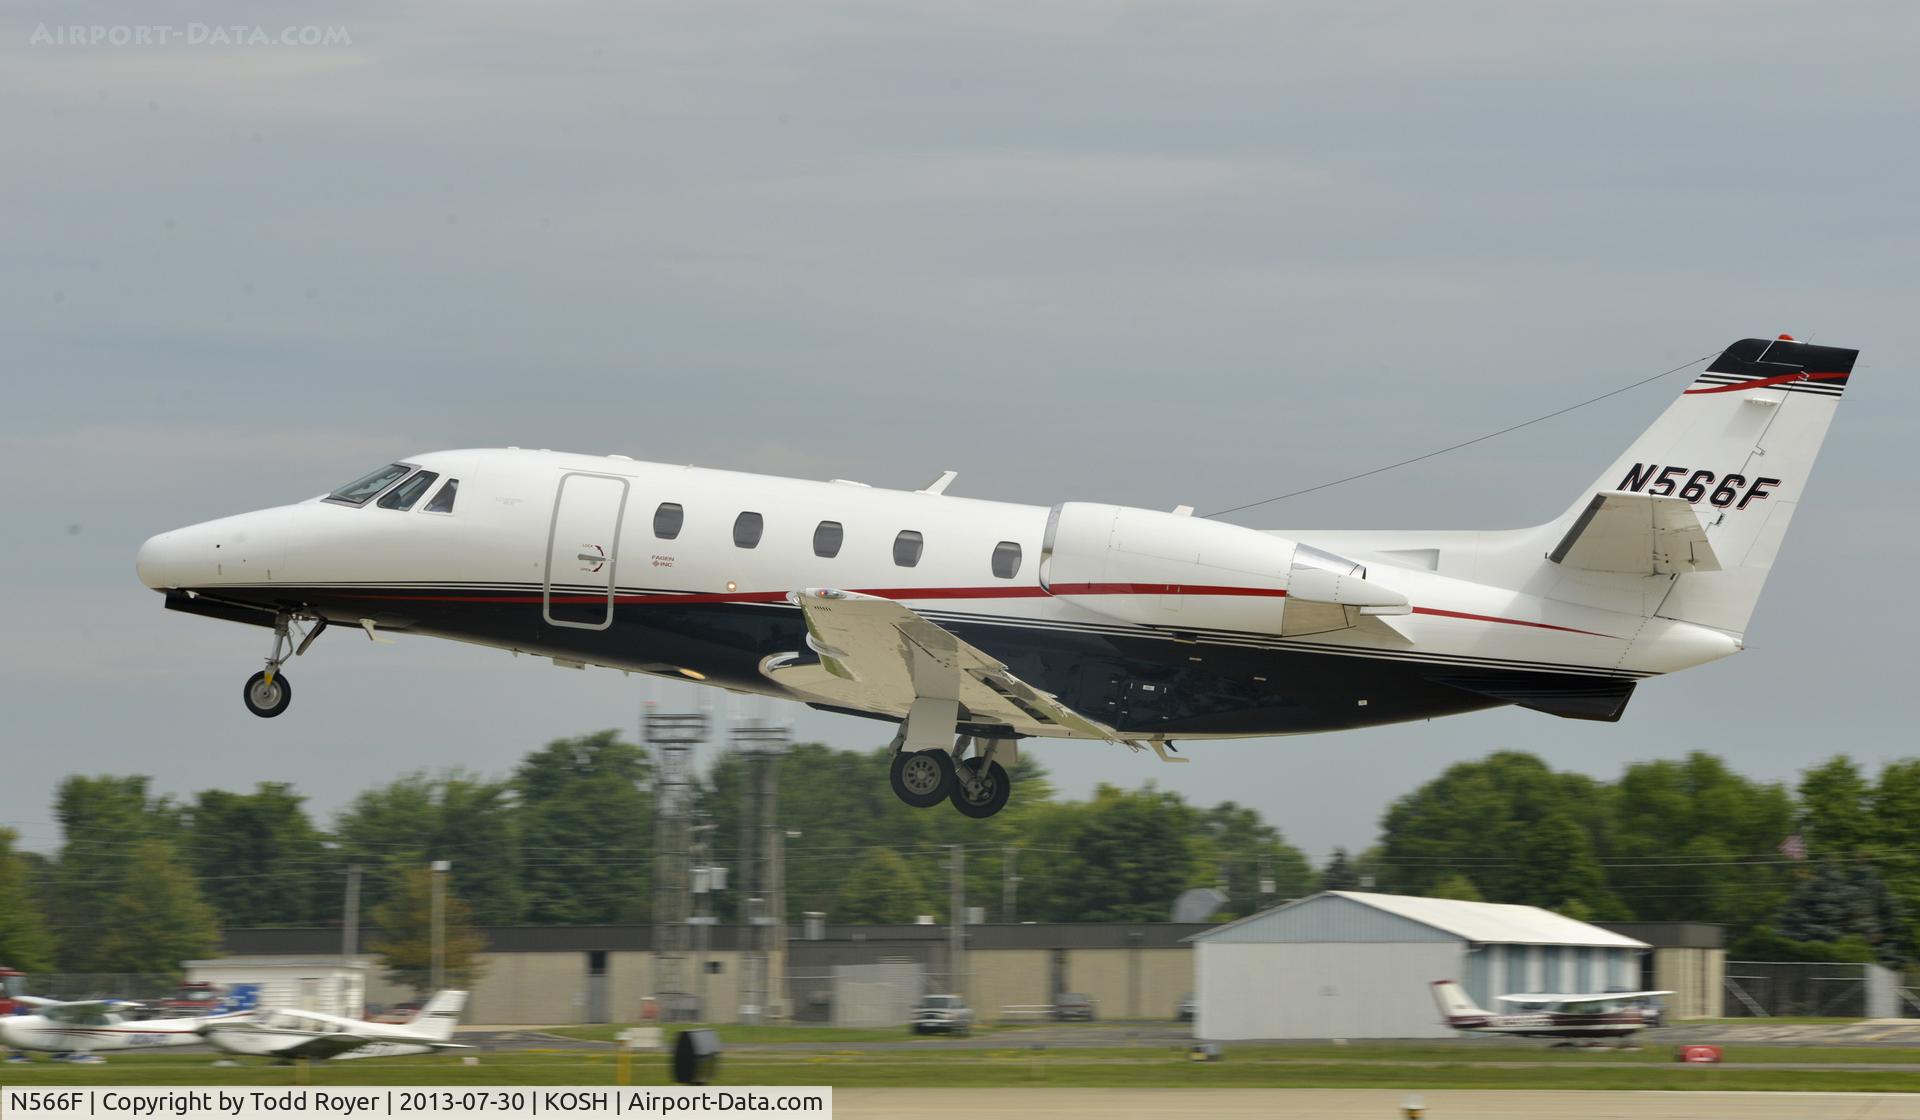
(1839, 902)
(157, 918)
(1338, 874)
(1122, 857)
(25, 944)
(1487, 819)
(259, 859)
(1260, 868)
(1895, 808)
(585, 825)
(400, 827)
(880, 888)
(1693, 841)
(405, 941)
(1456, 886)
(1836, 809)
(106, 823)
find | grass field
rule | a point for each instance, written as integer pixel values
(740, 1035)
(1411, 1067)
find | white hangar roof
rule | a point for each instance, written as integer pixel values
(1362, 916)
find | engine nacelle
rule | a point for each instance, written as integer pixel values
(1177, 572)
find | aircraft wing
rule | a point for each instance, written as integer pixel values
(1640, 534)
(1582, 997)
(879, 655)
(399, 1049)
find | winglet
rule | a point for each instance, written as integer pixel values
(939, 485)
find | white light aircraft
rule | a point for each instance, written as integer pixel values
(76, 1030)
(287, 1035)
(1588, 1015)
(974, 624)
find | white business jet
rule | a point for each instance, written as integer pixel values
(974, 624)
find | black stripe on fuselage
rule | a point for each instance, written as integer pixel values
(1142, 682)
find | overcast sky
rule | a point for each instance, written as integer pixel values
(1149, 253)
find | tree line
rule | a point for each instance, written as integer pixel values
(1826, 869)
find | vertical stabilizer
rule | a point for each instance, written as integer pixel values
(437, 1019)
(1452, 1001)
(1738, 446)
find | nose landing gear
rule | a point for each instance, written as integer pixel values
(268, 692)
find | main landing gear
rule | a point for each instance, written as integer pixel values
(979, 786)
(267, 693)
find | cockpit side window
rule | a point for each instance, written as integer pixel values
(404, 495)
(443, 501)
(361, 490)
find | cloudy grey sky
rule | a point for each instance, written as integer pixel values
(1140, 252)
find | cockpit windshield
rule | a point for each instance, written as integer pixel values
(404, 495)
(361, 490)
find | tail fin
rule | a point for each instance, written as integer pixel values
(1452, 1001)
(1737, 447)
(437, 1018)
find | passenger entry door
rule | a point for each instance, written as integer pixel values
(581, 542)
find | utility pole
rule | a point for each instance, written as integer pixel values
(957, 920)
(350, 937)
(1009, 885)
(350, 924)
(439, 970)
(760, 746)
(670, 738)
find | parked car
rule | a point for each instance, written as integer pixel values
(196, 997)
(942, 1014)
(1184, 1013)
(1072, 1005)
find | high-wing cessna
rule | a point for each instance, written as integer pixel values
(308, 1034)
(76, 1030)
(974, 624)
(1584, 1016)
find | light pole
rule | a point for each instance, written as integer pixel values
(440, 868)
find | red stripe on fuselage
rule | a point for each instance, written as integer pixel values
(1763, 382)
(925, 593)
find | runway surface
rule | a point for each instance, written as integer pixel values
(1355, 1104)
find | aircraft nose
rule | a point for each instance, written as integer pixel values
(248, 548)
(151, 563)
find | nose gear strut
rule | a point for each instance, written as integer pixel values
(268, 692)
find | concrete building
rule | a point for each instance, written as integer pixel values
(1345, 964)
(1689, 959)
(329, 985)
(549, 975)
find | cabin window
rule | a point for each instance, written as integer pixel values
(907, 548)
(1006, 559)
(443, 501)
(747, 529)
(827, 537)
(362, 489)
(404, 495)
(668, 519)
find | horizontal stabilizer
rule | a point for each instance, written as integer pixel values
(1565, 694)
(1639, 534)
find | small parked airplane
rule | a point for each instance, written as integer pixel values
(308, 1034)
(973, 624)
(1572, 1017)
(75, 1030)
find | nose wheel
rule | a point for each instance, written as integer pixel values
(266, 696)
(267, 692)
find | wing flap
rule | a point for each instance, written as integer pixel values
(880, 655)
(1639, 534)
